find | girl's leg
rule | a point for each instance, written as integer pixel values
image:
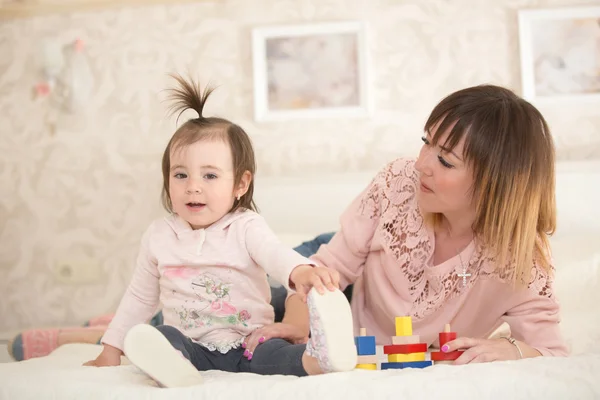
(165, 354)
(172, 359)
(276, 357)
(34, 343)
(330, 348)
(202, 358)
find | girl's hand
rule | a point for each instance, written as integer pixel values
(110, 357)
(482, 350)
(305, 277)
(291, 333)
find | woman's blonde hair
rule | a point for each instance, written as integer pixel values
(511, 153)
(188, 95)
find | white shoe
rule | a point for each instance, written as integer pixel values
(332, 331)
(149, 350)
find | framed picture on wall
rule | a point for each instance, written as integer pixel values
(560, 53)
(310, 71)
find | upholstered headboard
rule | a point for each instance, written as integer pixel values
(309, 205)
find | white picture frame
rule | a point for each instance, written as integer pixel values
(311, 71)
(560, 54)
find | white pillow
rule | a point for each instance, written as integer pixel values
(577, 287)
(573, 248)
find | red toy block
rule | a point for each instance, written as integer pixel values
(446, 336)
(441, 356)
(405, 348)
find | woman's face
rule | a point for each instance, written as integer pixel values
(446, 180)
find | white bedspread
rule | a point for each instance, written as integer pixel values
(61, 376)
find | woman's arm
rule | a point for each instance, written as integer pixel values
(534, 322)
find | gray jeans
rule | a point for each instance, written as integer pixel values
(273, 357)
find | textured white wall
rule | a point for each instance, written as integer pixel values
(82, 192)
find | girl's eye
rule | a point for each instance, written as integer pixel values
(180, 175)
(210, 176)
(444, 162)
(424, 139)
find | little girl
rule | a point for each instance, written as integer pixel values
(207, 265)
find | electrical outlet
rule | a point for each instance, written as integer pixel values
(77, 272)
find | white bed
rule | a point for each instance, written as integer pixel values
(300, 208)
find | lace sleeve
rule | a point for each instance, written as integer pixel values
(349, 248)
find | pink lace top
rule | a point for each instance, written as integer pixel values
(385, 248)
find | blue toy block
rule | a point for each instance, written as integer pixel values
(365, 345)
(402, 365)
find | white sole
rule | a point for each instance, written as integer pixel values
(336, 322)
(150, 351)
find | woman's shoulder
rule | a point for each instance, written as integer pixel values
(540, 280)
(394, 184)
(397, 169)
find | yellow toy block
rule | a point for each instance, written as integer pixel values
(403, 326)
(406, 357)
(372, 367)
(367, 359)
(406, 339)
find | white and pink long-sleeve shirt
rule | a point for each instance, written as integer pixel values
(211, 283)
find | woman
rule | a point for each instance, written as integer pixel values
(458, 236)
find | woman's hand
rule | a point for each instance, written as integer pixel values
(288, 332)
(304, 277)
(486, 350)
(109, 357)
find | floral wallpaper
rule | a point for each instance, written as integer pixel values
(79, 185)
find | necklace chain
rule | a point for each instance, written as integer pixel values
(464, 275)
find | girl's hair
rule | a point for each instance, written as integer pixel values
(511, 153)
(189, 95)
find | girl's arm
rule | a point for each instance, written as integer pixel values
(141, 298)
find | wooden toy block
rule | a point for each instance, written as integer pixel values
(367, 359)
(365, 345)
(403, 326)
(443, 362)
(372, 367)
(414, 339)
(402, 365)
(405, 348)
(402, 358)
(446, 336)
(441, 356)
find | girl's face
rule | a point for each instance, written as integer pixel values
(201, 182)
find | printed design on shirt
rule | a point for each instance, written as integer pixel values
(212, 306)
(179, 272)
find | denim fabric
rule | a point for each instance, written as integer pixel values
(273, 357)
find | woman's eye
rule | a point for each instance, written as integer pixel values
(444, 162)
(424, 139)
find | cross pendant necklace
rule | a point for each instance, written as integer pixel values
(464, 275)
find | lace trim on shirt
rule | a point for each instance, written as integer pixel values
(392, 199)
(222, 347)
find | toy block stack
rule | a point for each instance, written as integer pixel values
(439, 357)
(406, 351)
(367, 351)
